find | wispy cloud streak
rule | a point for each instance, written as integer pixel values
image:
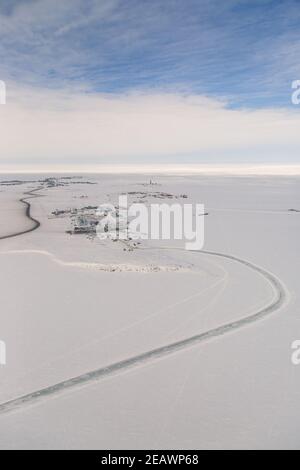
(244, 50)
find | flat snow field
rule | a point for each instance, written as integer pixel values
(122, 345)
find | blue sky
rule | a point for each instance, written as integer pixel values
(239, 54)
(245, 51)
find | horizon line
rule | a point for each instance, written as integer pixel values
(174, 169)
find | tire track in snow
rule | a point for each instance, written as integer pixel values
(36, 223)
(280, 297)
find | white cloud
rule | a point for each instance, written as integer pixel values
(55, 127)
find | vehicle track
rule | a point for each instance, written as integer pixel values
(280, 297)
(36, 223)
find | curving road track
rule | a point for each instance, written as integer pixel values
(36, 223)
(280, 297)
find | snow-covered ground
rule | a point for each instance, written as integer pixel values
(72, 304)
